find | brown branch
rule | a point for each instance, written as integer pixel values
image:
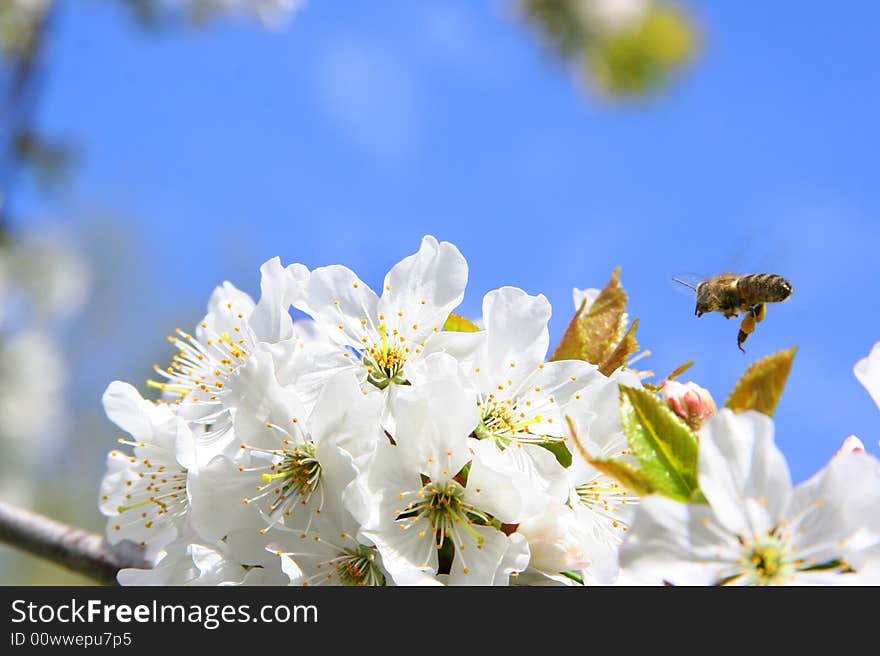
(78, 550)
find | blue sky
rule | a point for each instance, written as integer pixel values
(363, 126)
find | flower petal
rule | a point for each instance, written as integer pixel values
(834, 515)
(677, 543)
(424, 288)
(515, 483)
(271, 320)
(142, 419)
(581, 295)
(557, 540)
(216, 493)
(342, 305)
(433, 421)
(228, 307)
(261, 401)
(517, 334)
(485, 562)
(408, 558)
(742, 473)
(867, 370)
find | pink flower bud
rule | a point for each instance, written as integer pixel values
(852, 444)
(690, 402)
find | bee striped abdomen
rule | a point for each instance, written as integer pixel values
(758, 288)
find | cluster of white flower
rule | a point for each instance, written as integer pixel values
(371, 446)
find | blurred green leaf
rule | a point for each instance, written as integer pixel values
(559, 22)
(623, 52)
(636, 61)
(49, 160)
(762, 385)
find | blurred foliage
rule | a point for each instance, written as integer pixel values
(20, 25)
(49, 160)
(165, 13)
(622, 48)
(762, 385)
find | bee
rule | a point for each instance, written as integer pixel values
(733, 295)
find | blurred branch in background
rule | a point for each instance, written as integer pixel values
(44, 285)
(24, 28)
(77, 550)
(621, 48)
(43, 281)
(161, 13)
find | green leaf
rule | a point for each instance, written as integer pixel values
(665, 447)
(762, 385)
(457, 324)
(594, 332)
(627, 346)
(631, 478)
(558, 449)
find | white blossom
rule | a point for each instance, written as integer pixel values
(293, 465)
(144, 492)
(519, 394)
(756, 529)
(382, 337)
(239, 559)
(457, 513)
(602, 505)
(205, 378)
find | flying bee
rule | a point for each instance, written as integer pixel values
(733, 295)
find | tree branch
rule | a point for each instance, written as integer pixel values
(78, 550)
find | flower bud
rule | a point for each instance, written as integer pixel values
(690, 402)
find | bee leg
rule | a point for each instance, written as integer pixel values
(746, 328)
(759, 312)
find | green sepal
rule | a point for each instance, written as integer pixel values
(558, 449)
